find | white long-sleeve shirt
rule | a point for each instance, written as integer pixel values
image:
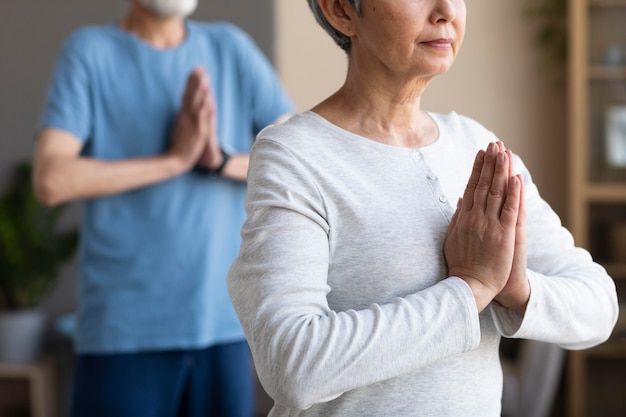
(343, 290)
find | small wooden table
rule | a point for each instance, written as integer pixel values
(41, 382)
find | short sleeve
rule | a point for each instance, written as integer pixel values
(269, 100)
(67, 105)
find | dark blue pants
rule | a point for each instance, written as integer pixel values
(213, 382)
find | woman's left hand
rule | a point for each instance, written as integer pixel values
(516, 292)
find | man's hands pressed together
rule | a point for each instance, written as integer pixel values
(195, 140)
(194, 122)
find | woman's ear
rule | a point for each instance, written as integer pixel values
(340, 15)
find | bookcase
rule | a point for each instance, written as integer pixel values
(596, 384)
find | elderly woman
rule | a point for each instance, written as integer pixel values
(387, 249)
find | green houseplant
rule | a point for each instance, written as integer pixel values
(550, 20)
(33, 248)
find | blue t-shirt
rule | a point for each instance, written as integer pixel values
(153, 261)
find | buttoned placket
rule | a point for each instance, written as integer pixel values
(433, 183)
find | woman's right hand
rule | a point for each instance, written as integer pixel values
(480, 245)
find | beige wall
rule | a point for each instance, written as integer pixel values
(310, 64)
(494, 80)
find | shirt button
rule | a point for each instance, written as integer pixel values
(418, 155)
(431, 177)
(443, 199)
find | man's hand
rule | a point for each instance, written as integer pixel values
(211, 156)
(480, 246)
(192, 128)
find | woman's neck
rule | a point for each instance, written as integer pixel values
(387, 112)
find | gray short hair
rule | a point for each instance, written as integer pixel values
(340, 39)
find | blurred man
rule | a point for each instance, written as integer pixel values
(149, 121)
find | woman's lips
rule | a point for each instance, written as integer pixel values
(443, 43)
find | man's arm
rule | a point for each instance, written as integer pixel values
(62, 175)
(236, 167)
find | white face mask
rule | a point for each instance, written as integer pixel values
(170, 8)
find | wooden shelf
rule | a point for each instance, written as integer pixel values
(616, 270)
(607, 72)
(612, 348)
(607, 3)
(606, 193)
